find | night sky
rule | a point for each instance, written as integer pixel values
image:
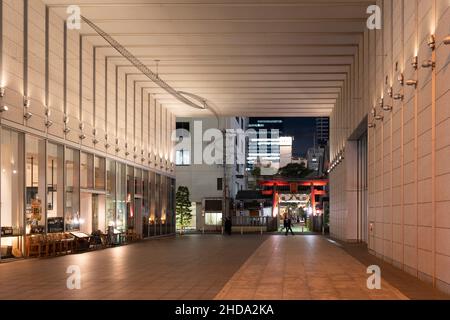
(302, 129)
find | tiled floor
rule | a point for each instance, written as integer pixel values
(202, 267)
(303, 267)
(190, 267)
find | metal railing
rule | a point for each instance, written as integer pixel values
(248, 221)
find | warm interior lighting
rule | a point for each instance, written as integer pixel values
(4, 108)
(2, 92)
(48, 123)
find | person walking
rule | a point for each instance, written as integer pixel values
(288, 225)
(228, 225)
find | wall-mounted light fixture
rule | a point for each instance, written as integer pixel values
(48, 123)
(94, 141)
(431, 42)
(379, 117)
(47, 112)
(66, 119)
(400, 78)
(82, 136)
(398, 96)
(2, 92)
(4, 109)
(428, 64)
(412, 83)
(26, 102)
(127, 153)
(117, 149)
(66, 130)
(81, 126)
(447, 40)
(415, 62)
(383, 106)
(27, 115)
(371, 125)
(107, 145)
(389, 92)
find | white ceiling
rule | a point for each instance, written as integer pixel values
(248, 57)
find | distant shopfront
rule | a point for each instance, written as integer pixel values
(48, 187)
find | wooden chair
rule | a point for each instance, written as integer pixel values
(58, 246)
(34, 245)
(49, 245)
(68, 243)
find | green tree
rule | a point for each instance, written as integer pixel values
(183, 208)
(256, 172)
(294, 170)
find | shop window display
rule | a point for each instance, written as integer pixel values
(130, 198)
(145, 204)
(138, 201)
(72, 190)
(12, 194)
(99, 169)
(55, 185)
(152, 197)
(35, 188)
(121, 200)
(158, 203)
(87, 170)
(110, 193)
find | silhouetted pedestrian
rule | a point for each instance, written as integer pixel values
(288, 225)
(228, 225)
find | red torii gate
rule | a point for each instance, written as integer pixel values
(293, 185)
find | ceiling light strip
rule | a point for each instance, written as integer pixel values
(141, 67)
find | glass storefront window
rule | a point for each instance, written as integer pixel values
(145, 204)
(35, 184)
(158, 203)
(152, 197)
(87, 170)
(55, 185)
(213, 218)
(12, 193)
(110, 193)
(99, 167)
(130, 198)
(121, 187)
(137, 181)
(163, 195)
(72, 186)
